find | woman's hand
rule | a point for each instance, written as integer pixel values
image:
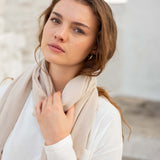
(55, 125)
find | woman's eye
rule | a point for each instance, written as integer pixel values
(55, 20)
(79, 30)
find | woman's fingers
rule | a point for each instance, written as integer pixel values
(54, 123)
(57, 101)
(38, 108)
(70, 114)
(50, 101)
(44, 105)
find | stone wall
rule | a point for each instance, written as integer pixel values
(18, 35)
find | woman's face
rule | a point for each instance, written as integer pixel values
(69, 34)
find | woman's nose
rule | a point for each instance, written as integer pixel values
(61, 35)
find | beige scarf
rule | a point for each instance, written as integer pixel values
(80, 91)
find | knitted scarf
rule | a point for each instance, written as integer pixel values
(80, 91)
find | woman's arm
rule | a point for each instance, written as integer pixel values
(105, 142)
(108, 142)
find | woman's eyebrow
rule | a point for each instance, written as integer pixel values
(80, 24)
(75, 23)
(57, 14)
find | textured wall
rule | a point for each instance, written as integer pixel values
(135, 69)
(18, 34)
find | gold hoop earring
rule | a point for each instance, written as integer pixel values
(91, 56)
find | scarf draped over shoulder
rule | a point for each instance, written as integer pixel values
(81, 91)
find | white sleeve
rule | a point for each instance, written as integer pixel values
(61, 150)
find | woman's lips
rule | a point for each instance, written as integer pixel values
(56, 48)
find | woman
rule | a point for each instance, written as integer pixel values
(72, 118)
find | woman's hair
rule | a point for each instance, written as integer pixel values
(105, 41)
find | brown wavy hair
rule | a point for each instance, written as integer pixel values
(105, 41)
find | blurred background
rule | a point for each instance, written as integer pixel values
(132, 76)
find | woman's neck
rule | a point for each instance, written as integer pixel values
(61, 75)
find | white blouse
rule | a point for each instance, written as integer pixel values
(26, 140)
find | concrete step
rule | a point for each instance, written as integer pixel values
(127, 158)
(143, 116)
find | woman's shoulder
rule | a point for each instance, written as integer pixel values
(107, 120)
(106, 135)
(106, 109)
(107, 117)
